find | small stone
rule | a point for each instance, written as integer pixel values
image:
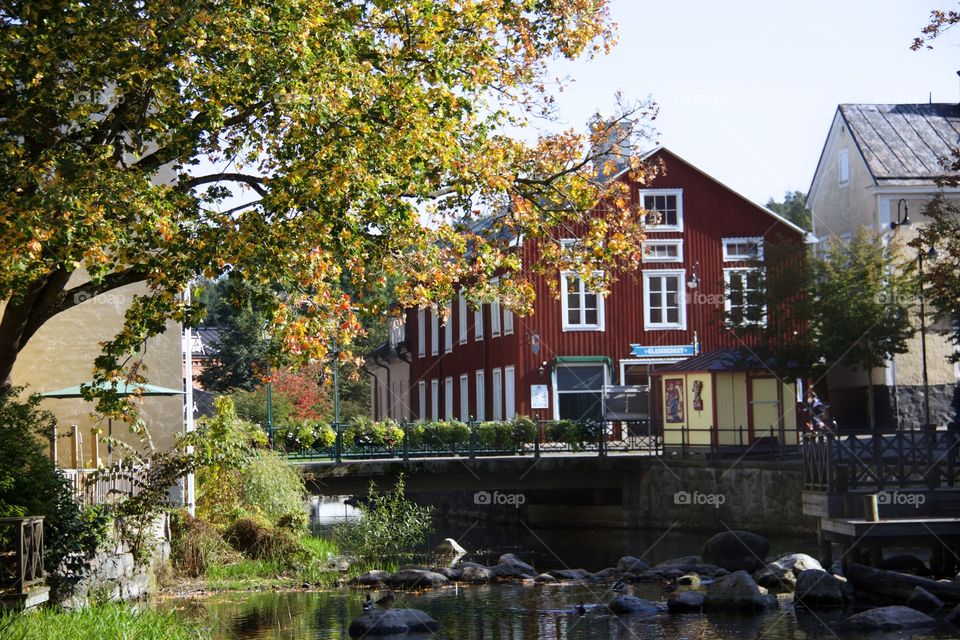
(544, 578)
(632, 604)
(685, 602)
(739, 592)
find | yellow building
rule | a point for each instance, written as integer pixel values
(725, 398)
(878, 164)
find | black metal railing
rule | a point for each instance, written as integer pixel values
(21, 553)
(477, 439)
(908, 459)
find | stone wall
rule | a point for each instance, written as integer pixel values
(114, 573)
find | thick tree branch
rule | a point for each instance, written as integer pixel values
(255, 182)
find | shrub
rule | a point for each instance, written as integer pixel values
(257, 538)
(524, 430)
(270, 486)
(389, 528)
(566, 431)
(251, 406)
(446, 435)
(297, 435)
(197, 545)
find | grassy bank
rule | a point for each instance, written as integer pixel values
(113, 621)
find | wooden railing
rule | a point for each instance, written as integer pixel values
(21, 553)
(102, 486)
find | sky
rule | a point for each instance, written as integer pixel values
(747, 89)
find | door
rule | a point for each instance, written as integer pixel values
(764, 407)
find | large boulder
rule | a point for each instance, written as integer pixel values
(477, 575)
(736, 592)
(632, 604)
(450, 573)
(631, 564)
(817, 588)
(610, 573)
(571, 574)
(781, 574)
(736, 550)
(383, 622)
(887, 619)
(416, 579)
(898, 586)
(510, 566)
(923, 600)
(686, 602)
(375, 578)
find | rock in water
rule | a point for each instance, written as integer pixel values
(781, 574)
(906, 563)
(477, 575)
(510, 566)
(416, 579)
(382, 622)
(923, 600)
(686, 602)
(887, 619)
(736, 550)
(373, 578)
(571, 574)
(631, 564)
(632, 604)
(736, 592)
(817, 588)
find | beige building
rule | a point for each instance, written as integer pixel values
(389, 367)
(61, 354)
(879, 163)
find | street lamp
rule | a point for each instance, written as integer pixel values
(903, 219)
(692, 283)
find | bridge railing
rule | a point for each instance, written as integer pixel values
(544, 437)
(21, 553)
(906, 459)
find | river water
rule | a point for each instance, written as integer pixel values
(518, 612)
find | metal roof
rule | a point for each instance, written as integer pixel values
(727, 359)
(903, 142)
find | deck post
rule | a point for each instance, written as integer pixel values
(75, 441)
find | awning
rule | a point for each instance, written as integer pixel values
(123, 389)
(582, 360)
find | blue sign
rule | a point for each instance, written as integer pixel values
(662, 351)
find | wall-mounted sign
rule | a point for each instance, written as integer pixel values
(535, 343)
(663, 351)
(539, 396)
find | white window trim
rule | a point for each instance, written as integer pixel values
(496, 381)
(758, 240)
(509, 392)
(422, 409)
(478, 323)
(843, 168)
(728, 306)
(507, 322)
(434, 400)
(663, 243)
(462, 304)
(556, 392)
(421, 333)
(448, 398)
(664, 192)
(495, 323)
(448, 329)
(565, 307)
(481, 392)
(464, 397)
(434, 332)
(681, 294)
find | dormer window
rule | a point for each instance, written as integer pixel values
(664, 207)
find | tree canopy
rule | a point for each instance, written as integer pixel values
(321, 146)
(793, 208)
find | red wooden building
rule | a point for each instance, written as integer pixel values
(489, 364)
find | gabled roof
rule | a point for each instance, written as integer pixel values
(725, 359)
(903, 142)
(770, 212)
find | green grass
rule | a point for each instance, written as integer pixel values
(246, 574)
(113, 621)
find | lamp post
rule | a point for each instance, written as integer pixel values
(931, 254)
(266, 337)
(692, 284)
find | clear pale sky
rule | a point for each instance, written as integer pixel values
(747, 88)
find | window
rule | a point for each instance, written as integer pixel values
(421, 334)
(510, 392)
(507, 322)
(478, 323)
(462, 316)
(579, 390)
(434, 400)
(434, 332)
(397, 330)
(448, 329)
(464, 398)
(742, 249)
(422, 409)
(581, 309)
(448, 399)
(843, 167)
(481, 397)
(495, 315)
(663, 251)
(663, 300)
(744, 302)
(665, 207)
(497, 395)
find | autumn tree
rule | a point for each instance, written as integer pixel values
(358, 140)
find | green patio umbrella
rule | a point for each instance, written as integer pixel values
(123, 388)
